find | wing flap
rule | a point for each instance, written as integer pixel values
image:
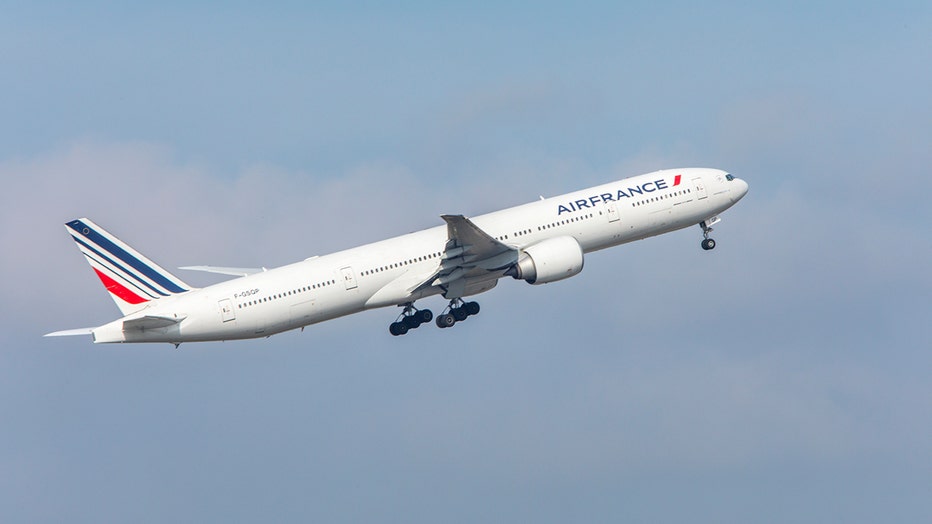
(470, 253)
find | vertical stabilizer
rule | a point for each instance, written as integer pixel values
(131, 279)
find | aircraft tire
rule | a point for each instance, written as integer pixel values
(472, 308)
(445, 321)
(708, 244)
(459, 313)
(411, 322)
(425, 315)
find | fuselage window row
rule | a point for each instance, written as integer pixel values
(565, 222)
(287, 294)
(401, 264)
(657, 199)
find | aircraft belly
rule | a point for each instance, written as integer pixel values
(303, 313)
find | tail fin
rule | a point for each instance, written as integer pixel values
(132, 279)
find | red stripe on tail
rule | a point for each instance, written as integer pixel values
(114, 287)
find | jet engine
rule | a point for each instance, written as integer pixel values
(548, 261)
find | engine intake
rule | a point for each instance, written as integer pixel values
(548, 261)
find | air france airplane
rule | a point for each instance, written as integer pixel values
(541, 242)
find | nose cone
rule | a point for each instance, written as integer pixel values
(740, 189)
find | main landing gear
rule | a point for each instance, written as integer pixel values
(410, 318)
(457, 311)
(707, 243)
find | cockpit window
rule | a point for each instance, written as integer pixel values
(729, 177)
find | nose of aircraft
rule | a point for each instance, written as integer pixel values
(741, 189)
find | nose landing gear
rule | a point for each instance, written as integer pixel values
(708, 243)
(410, 318)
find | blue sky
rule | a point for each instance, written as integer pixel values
(782, 377)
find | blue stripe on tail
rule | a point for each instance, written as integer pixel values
(83, 229)
(110, 262)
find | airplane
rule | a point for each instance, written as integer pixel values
(540, 242)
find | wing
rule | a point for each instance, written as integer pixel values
(470, 253)
(470, 247)
(471, 257)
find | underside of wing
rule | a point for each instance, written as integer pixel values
(470, 254)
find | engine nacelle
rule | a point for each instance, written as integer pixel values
(548, 261)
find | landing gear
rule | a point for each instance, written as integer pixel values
(706, 226)
(457, 311)
(410, 318)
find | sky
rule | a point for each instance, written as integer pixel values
(782, 377)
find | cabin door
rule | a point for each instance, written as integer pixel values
(226, 310)
(612, 211)
(699, 188)
(349, 278)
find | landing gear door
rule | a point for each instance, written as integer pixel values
(699, 187)
(349, 278)
(226, 310)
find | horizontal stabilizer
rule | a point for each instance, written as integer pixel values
(71, 332)
(235, 271)
(150, 322)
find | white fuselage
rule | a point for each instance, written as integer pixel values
(384, 273)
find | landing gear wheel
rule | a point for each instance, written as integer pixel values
(706, 226)
(410, 318)
(425, 315)
(459, 313)
(446, 320)
(397, 328)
